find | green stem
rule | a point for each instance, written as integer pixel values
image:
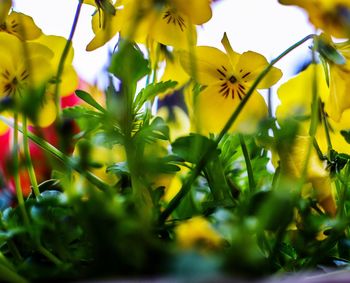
(29, 162)
(201, 164)
(64, 57)
(9, 275)
(17, 180)
(250, 173)
(69, 162)
(326, 128)
(48, 254)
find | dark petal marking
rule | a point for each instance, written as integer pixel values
(247, 74)
(240, 93)
(221, 72)
(224, 68)
(226, 92)
(232, 93)
(241, 87)
(223, 88)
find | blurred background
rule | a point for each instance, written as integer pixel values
(263, 26)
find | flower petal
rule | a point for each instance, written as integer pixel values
(198, 11)
(338, 100)
(206, 61)
(176, 30)
(22, 26)
(213, 110)
(252, 64)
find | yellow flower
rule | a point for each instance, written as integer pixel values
(172, 23)
(339, 82)
(292, 160)
(176, 119)
(197, 233)
(100, 157)
(16, 23)
(296, 96)
(227, 77)
(106, 22)
(69, 80)
(22, 69)
(328, 15)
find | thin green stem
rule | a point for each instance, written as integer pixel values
(64, 57)
(48, 254)
(8, 275)
(201, 164)
(249, 167)
(17, 180)
(326, 128)
(28, 158)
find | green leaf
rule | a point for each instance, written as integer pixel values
(158, 129)
(151, 91)
(120, 169)
(78, 112)
(89, 99)
(106, 6)
(128, 63)
(191, 148)
(346, 135)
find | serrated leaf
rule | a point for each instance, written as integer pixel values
(89, 99)
(151, 91)
(158, 129)
(120, 168)
(78, 112)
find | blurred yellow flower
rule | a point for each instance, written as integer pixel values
(227, 77)
(177, 121)
(16, 23)
(197, 233)
(170, 23)
(23, 69)
(296, 97)
(328, 15)
(106, 22)
(69, 79)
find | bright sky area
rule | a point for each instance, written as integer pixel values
(264, 26)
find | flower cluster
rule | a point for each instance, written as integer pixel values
(181, 157)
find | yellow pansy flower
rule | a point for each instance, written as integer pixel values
(100, 157)
(16, 23)
(22, 69)
(69, 79)
(227, 77)
(171, 23)
(176, 119)
(197, 233)
(296, 97)
(106, 22)
(328, 15)
(292, 161)
(339, 82)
